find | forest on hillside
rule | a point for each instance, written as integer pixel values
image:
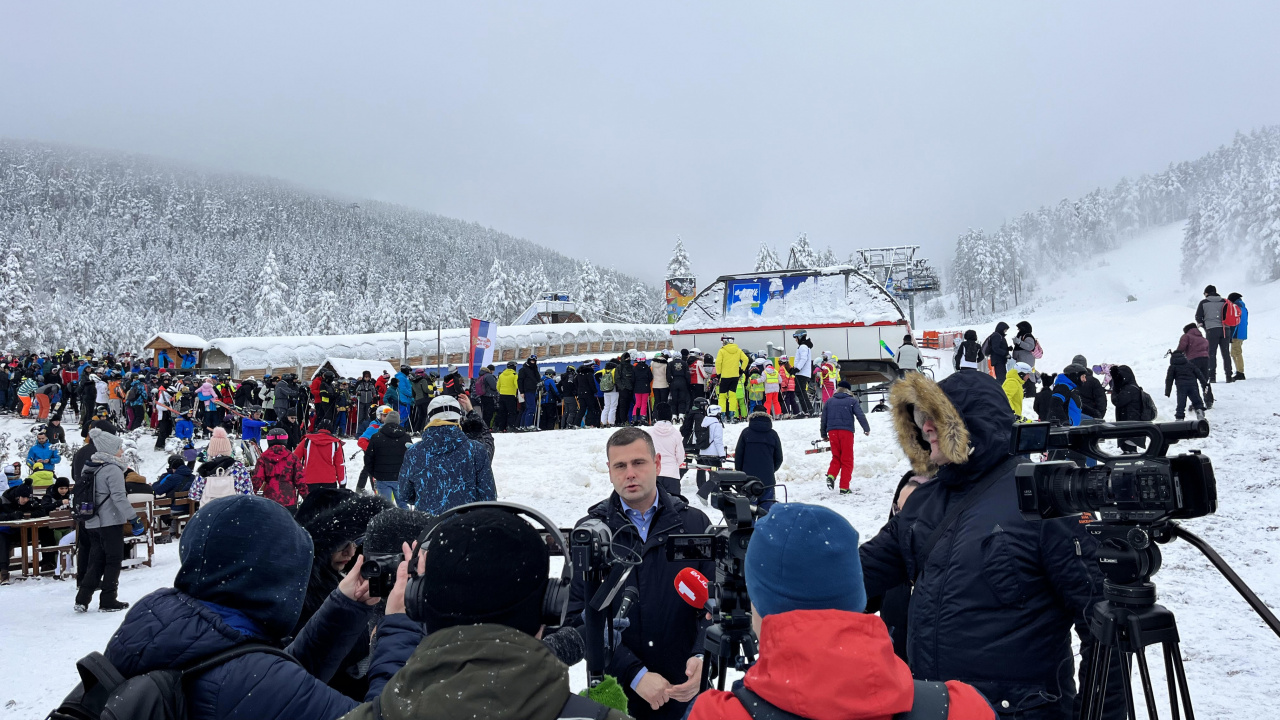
(102, 250)
(1229, 198)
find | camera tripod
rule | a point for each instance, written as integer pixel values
(1128, 620)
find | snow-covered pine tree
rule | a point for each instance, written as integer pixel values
(272, 311)
(767, 259)
(20, 329)
(590, 293)
(827, 258)
(495, 303)
(679, 266)
(801, 255)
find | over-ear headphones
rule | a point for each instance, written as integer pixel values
(555, 602)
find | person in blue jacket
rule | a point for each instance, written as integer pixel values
(446, 468)
(43, 452)
(245, 565)
(1239, 334)
(404, 390)
(550, 398)
(188, 360)
(1064, 402)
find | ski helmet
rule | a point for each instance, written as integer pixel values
(726, 339)
(695, 351)
(445, 407)
(511, 364)
(713, 410)
(800, 334)
(405, 369)
(700, 402)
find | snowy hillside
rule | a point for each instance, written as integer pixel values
(1232, 659)
(113, 248)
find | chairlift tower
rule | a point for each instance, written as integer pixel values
(901, 273)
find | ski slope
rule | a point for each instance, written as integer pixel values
(1233, 661)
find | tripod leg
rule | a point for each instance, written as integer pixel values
(1171, 679)
(1127, 686)
(1096, 690)
(1140, 654)
(1176, 654)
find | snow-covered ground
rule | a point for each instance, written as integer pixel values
(1230, 653)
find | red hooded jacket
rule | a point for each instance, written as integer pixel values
(850, 674)
(322, 458)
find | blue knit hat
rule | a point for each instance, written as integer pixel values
(804, 557)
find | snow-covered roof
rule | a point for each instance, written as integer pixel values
(180, 340)
(839, 294)
(352, 368)
(295, 351)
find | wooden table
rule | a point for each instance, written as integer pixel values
(27, 540)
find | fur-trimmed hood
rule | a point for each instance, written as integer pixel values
(971, 413)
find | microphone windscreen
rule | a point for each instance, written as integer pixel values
(692, 587)
(567, 645)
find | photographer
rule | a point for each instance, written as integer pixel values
(659, 660)
(242, 580)
(995, 594)
(483, 612)
(805, 585)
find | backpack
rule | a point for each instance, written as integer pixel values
(1037, 352)
(105, 694)
(702, 436)
(1230, 313)
(986, 346)
(1148, 411)
(219, 482)
(83, 504)
(932, 701)
(607, 381)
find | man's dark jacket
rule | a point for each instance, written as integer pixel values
(665, 631)
(385, 454)
(759, 450)
(1093, 398)
(996, 598)
(528, 379)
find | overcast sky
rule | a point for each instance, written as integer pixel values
(605, 130)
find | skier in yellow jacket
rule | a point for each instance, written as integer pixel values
(730, 364)
(1013, 381)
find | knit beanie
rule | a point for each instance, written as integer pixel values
(391, 418)
(246, 552)
(1079, 360)
(804, 557)
(105, 442)
(486, 566)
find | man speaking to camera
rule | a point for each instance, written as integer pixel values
(659, 661)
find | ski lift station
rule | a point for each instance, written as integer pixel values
(843, 309)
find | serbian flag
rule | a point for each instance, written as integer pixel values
(484, 338)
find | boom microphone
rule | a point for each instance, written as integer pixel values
(692, 587)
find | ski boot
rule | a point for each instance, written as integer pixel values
(1239, 376)
(846, 491)
(831, 482)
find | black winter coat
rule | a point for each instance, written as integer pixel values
(996, 598)
(625, 379)
(1126, 394)
(759, 450)
(665, 631)
(1093, 398)
(1183, 373)
(643, 378)
(528, 379)
(997, 346)
(385, 454)
(678, 374)
(586, 385)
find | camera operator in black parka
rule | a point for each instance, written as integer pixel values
(995, 594)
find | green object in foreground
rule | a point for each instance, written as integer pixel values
(608, 693)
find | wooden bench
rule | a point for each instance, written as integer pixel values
(178, 517)
(58, 520)
(144, 506)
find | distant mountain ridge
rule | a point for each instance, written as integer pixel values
(108, 248)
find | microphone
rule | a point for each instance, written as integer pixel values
(567, 645)
(692, 587)
(629, 596)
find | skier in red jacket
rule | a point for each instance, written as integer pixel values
(322, 459)
(821, 656)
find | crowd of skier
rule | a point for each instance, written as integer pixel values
(427, 448)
